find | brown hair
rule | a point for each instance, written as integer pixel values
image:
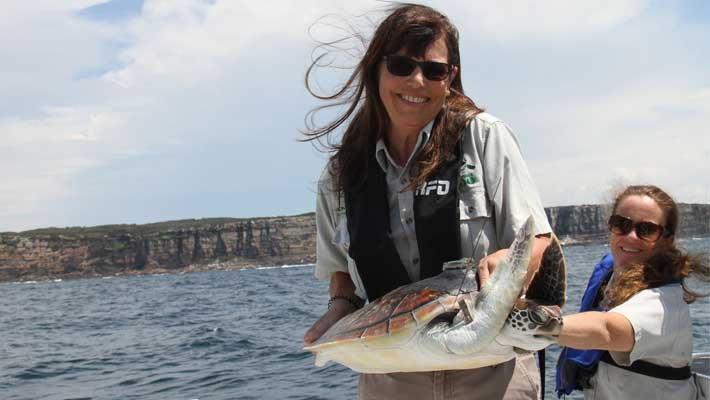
(667, 264)
(413, 28)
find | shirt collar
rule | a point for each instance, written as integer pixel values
(383, 156)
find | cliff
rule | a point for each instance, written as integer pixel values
(224, 243)
(164, 247)
(587, 223)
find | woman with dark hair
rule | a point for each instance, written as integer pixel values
(633, 337)
(421, 176)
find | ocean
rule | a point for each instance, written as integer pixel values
(208, 335)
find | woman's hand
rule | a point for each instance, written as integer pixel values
(531, 326)
(488, 264)
(341, 288)
(338, 309)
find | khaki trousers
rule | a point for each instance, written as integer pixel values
(512, 380)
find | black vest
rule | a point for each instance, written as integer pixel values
(436, 212)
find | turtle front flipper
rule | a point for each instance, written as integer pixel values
(549, 285)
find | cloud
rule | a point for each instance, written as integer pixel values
(627, 102)
(528, 20)
(191, 108)
(179, 79)
(649, 134)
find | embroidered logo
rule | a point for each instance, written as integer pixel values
(469, 179)
(441, 188)
(467, 176)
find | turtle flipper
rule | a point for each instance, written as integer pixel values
(549, 285)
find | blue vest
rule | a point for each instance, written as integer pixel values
(574, 365)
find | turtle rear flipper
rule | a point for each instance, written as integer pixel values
(549, 286)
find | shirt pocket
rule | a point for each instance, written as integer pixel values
(473, 204)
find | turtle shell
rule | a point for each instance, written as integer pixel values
(399, 313)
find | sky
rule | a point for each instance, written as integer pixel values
(138, 111)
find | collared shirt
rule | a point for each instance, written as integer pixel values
(401, 203)
(496, 196)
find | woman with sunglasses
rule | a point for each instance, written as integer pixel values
(633, 336)
(421, 176)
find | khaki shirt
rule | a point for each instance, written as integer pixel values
(496, 199)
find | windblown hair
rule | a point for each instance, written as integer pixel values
(667, 264)
(412, 28)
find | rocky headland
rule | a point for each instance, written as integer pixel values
(228, 243)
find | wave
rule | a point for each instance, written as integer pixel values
(286, 266)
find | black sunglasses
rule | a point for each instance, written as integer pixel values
(403, 66)
(646, 230)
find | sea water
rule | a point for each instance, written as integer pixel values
(209, 335)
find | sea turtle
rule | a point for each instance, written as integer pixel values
(444, 323)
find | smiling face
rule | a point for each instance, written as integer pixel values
(629, 249)
(412, 101)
